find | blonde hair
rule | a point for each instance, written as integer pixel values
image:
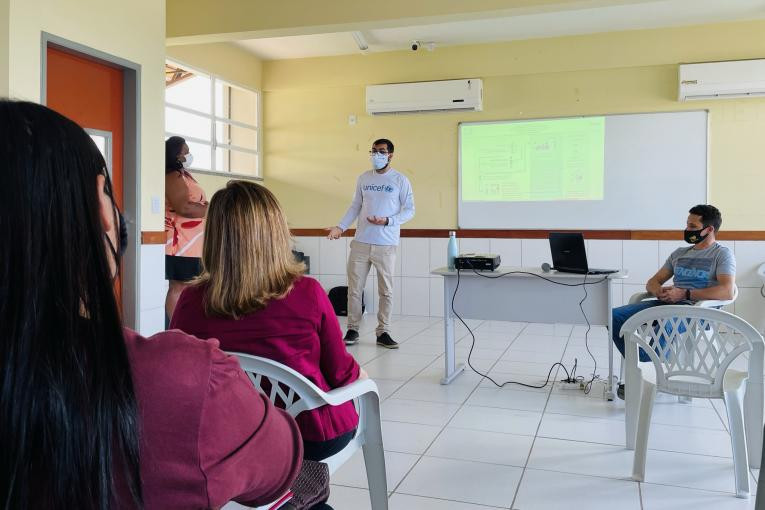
(247, 257)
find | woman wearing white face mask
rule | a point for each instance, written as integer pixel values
(185, 210)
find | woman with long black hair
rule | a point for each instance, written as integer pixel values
(94, 416)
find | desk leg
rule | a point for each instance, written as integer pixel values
(451, 370)
(610, 383)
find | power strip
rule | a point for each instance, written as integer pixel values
(570, 386)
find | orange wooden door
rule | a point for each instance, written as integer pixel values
(91, 94)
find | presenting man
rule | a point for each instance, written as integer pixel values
(705, 270)
(382, 202)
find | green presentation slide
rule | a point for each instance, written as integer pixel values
(529, 161)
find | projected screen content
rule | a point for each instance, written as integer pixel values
(529, 161)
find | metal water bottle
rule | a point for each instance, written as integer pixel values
(451, 250)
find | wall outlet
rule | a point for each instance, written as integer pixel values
(156, 205)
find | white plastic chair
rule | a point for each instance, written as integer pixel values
(705, 303)
(694, 360)
(302, 395)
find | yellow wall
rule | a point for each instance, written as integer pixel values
(4, 28)
(228, 62)
(134, 31)
(312, 155)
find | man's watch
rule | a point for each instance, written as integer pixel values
(688, 294)
(387, 220)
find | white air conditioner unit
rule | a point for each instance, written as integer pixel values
(720, 80)
(427, 96)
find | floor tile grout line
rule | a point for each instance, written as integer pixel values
(620, 420)
(436, 436)
(461, 405)
(536, 433)
(431, 442)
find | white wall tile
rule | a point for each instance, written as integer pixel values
(152, 279)
(509, 251)
(328, 281)
(750, 306)
(415, 296)
(534, 252)
(604, 253)
(152, 321)
(469, 245)
(414, 253)
(437, 297)
(749, 256)
(333, 256)
(667, 247)
(310, 248)
(641, 259)
(438, 247)
(617, 296)
(628, 290)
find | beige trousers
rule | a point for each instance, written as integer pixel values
(362, 257)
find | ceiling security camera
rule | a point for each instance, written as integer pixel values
(415, 45)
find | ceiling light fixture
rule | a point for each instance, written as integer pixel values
(361, 41)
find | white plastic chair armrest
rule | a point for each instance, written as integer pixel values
(641, 296)
(352, 391)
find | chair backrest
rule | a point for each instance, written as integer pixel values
(284, 387)
(690, 347)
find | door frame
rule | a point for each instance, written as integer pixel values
(131, 168)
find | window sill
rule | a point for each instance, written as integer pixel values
(231, 175)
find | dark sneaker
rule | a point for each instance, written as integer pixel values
(386, 341)
(620, 391)
(351, 337)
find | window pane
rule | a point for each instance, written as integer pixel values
(187, 124)
(236, 104)
(237, 162)
(202, 155)
(236, 135)
(192, 92)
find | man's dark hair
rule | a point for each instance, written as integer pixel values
(710, 215)
(384, 141)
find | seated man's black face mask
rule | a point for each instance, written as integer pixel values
(694, 236)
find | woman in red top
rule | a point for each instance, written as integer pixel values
(185, 210)
(92, 416)
(253, 297)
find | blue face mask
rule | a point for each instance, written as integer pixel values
(379, 161)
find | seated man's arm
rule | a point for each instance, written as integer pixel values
(723, 291)
(654, 285)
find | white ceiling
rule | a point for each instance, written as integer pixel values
(646, 14)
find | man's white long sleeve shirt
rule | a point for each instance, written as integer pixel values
(388, 195)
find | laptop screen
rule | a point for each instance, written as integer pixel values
(568, 252)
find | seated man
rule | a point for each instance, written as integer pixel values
(705, 270)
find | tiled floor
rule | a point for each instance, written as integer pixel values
(472, 446)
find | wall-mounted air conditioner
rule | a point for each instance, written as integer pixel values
(428, 96)
(721, 80)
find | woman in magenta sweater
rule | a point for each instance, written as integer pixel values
(94, 416)
(253, 297)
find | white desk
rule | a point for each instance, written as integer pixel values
(525, 298)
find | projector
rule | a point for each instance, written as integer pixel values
(477, 261)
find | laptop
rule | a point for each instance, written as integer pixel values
(569, 255)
